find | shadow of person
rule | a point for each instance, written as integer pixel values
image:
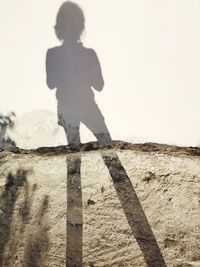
(133, 211)
(74, 71)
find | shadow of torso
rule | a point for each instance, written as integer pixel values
(74, 70)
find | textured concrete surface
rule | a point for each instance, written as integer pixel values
(123, 205)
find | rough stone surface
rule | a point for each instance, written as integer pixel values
(122, 205)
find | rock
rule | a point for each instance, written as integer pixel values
(124, 205)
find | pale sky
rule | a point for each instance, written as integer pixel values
(150, 57)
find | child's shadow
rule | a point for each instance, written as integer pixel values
(74, 71)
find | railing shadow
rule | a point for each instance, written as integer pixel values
(134, 212)
(74, 213)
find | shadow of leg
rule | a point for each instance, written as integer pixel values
(72, 133)
(74, 213)
(134, 212)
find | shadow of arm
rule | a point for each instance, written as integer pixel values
(50, 69)
(96, 73)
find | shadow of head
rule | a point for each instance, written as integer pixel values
(70, 22)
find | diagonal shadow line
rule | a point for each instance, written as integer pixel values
(74, 212)
(134, 212)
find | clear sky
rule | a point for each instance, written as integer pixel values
(150, 57)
